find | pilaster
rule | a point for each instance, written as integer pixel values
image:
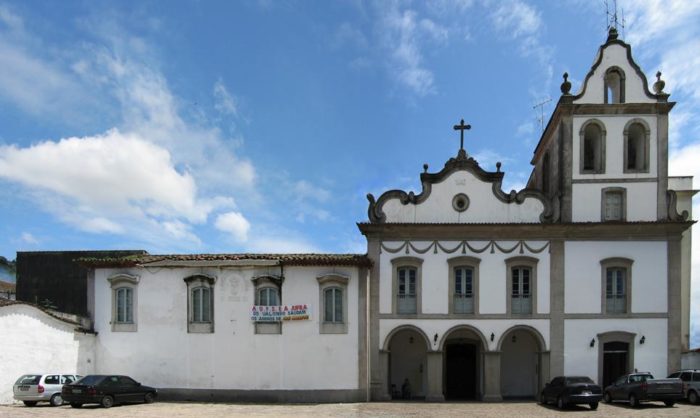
(435, 377)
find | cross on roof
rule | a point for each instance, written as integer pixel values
(461, 127)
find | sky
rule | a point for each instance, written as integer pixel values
(260, 126)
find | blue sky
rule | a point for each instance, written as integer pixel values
(201, 126)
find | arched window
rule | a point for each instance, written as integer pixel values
(268, 292)
(334, 303)
(592, 137)
(124, 302)
(125, 305)
(614, 86)
(268, 296)
(200, 303)
(636, 142)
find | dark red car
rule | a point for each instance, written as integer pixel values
(107, 390)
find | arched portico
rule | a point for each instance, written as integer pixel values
(524, 362)
(463, 348)
(406, 351)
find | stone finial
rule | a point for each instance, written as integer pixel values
(566, 85)
(612, 34)
(425, 168)
(660, 84)
(498, 167)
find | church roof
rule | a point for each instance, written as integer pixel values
(307, 259)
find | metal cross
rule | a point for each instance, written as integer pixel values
(461, 127)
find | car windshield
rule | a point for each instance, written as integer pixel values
(29, 379)
(89, 380)
(574, 380)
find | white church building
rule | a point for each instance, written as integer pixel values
(466, 291)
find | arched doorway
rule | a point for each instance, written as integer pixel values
(463, 348)
(408, 349)
(520, 349)
(615, 356)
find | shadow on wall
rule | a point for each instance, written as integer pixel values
(36, 342)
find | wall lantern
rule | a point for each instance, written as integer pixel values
(492, 336)
(514, 338)
(435, 338)
(592, 344)
(410, 339)
(642, 340)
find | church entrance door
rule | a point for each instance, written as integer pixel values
(461, 371)
(615, 361)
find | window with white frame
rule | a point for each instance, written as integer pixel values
(406, 286)
(614, 205)
(616, 284)
(200, 303)
(522, 285)
(268, 292)
(124, 298)
(333, 301)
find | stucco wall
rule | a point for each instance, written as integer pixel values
(34, 342)
(640, 206)
(162, 353)
(583, 288)
(435, 290)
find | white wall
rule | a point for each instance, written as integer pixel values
(163, 354)
(615, 55)
(583, 287)
(435, 274)
(641, 201)
(582, 359)
(34, 342)
(483, 206)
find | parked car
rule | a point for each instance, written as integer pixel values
(642, 387)
(38, 387)
(107, 390)
(572, 390)
(691, 384)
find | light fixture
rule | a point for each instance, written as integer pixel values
(410, 339)
(642, 340)
(513, 338)
(592, 344)
(492, 336)
(435, 338)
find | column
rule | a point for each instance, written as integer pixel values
(380, 382)
(434, 377)
(492, 376)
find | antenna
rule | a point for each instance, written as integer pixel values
(540, 116)
(611, 19)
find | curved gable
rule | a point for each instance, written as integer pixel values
(462, 192)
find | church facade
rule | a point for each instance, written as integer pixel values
(466, 291)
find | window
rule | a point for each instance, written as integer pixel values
(616, 285)
(464, 285)
(52, 380)
(592, 138)
(124, 302)
(333, 302)
(636, 143)
(545, 174)
(614, 204)
(614, 85)
(406, 285)
(522, 284)
(268, 292)
(200, 303)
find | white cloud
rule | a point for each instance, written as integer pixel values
(28, 238)
(225, 103)
(235, 224)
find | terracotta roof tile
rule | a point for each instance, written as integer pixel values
(309, 259)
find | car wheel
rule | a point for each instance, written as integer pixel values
(30, 403)
(634, 402)
(76, 405)
(669, 403)
(107, 401)
(693, 397)
(560, 403)
(607, 398)
(149, 397)
(56, 400)
(594, 406)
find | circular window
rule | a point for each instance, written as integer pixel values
(460, 202)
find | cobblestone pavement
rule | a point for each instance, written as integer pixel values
(395, 409)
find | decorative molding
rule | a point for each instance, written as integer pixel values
(616, 180)
(408, 246)
(462, 162)
(672, 202)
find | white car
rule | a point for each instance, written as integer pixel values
(33, 388)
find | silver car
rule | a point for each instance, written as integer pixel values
(33, 388)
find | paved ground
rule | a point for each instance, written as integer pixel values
(395, 409)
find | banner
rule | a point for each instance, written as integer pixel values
(280, 313)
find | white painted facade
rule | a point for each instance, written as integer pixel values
(36, 342)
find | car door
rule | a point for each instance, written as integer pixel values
(112, 387)
(131, 389)
(555, 388)
(618, 390)
(52, 384)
